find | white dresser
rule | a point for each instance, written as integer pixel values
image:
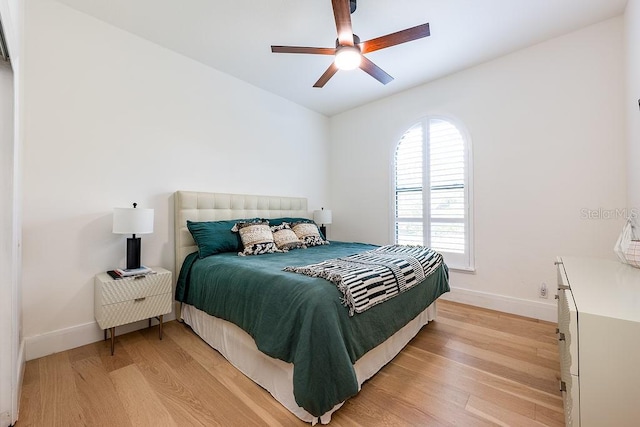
(599, 339)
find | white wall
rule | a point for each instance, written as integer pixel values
(547, 130)
(112, 119)
(631, 108)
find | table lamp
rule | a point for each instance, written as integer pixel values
(133, 221)
(322, 217)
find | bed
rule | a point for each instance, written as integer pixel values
(317, 355)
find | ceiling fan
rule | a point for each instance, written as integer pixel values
(349, 51)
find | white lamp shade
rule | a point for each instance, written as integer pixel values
(132, 221)
(322, 217)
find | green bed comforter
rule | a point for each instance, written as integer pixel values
(300, 319)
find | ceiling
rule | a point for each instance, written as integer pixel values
(235, 38)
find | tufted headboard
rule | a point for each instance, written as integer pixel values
(199, 206)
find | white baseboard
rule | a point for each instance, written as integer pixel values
(76, 336)
(522, 307)
(64, 339)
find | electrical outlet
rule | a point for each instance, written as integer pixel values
(543, 291)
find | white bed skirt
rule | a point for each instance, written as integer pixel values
(276, 376)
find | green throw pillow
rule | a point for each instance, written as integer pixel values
(214, 237)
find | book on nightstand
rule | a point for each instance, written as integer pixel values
(114, 274)
(120, 273)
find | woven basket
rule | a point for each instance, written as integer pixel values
(632, 254)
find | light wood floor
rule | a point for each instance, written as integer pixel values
(470, 367)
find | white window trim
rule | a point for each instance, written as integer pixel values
(469, 218)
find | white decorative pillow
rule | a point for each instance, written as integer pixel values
(285, 238)
(308, 233)
(256, 238)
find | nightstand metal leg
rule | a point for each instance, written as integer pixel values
(160, 327)
(105, 334)
(113, 339)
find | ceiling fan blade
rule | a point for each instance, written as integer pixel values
(303, 49)
(393, 39)
(324, 78)
(342, 15)
(374, 71)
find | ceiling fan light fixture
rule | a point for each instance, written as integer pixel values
(349, 51)
(348, 57)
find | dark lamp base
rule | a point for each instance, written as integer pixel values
(133, 252)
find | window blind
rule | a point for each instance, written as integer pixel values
(430, 194)
(446, 168)
(408, 184)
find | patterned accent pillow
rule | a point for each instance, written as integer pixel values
(256, 238)
(291, 221)
(285, 237)
(308, 233)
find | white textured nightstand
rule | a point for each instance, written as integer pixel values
(121, 301)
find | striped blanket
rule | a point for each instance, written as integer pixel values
(374, 276)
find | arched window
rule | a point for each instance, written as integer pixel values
(432, 190)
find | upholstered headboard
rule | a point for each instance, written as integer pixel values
(198, 206)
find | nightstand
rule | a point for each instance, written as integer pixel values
(121, 301)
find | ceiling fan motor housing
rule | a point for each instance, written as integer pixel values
(356, 41)
(352, 5)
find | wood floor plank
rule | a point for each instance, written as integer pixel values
(530, 329)
(552, 401)
(383, 407)
(470, 367)
(449, 369)
(523, 351)
(207, 401)
(176, 394)
(59, 400)
(102, 349)
(99, 401)
(142, 406)
(498, 414)
(505, 333)
(499, 358)
(449, 378)
(474, 380)
(484, 362)
(550, 417)
(259, 400)
(427, 404)
(551, 355)
(30, 400)
(504, 393)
